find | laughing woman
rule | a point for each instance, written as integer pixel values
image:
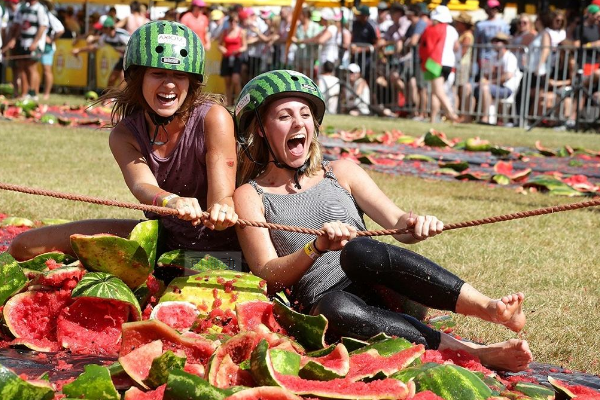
(286, 181)
(174, 144)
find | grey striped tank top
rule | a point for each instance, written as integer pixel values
(325, 202)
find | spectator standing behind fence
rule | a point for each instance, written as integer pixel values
(486, 30)
(557, 26)
(364, 32)
(232, 45)
(359, 99)
(255, 41)
(280, 58)
(464, 26)
(329, 84)
(539, 62)
(29, 40)
(198, 22)
(216, 24)
(392, 47)
(55, 30)
(437, 49)
(503, 80)
(307, 51)
(7, 26)
(117, 38)
(134, 20)
(329, 37)
(589, 40)
(417, 88)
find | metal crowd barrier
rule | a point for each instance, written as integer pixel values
(396, 83)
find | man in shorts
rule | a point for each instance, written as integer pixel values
(55, 30)
(28, 39)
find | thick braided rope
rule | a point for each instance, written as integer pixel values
(318, 232)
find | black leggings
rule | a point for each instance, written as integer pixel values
(370, 264)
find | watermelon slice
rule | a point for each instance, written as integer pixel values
(179, 315)
(134, 393)
(369, 364)
(92, 326)
(264, 393)
(252, 313)
(334, 365)
(137, 364)
(31, 317)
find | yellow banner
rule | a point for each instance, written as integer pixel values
(106, 58)
(69, 70)
(212, 67)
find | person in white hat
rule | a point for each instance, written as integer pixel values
(437, 49)
(330, 38)
(359, 99)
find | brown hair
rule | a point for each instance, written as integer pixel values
(253, 165)
(129, 97)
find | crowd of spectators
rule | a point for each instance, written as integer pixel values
(402, 60)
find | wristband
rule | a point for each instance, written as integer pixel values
(168, 198)
(156, 196)
(310, 251)
(314, 244)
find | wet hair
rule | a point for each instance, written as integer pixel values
(129, 98)
(251, 167)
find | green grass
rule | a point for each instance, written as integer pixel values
(551, 258)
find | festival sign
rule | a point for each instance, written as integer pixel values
(69, 70)
(106, 58)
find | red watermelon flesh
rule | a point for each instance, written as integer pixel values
(179, 315)
(343, 388)
(230, 374)
(578, 390)
(136, 394)
(66, 278)
(135, 334)
(336, 361)
(252, 313)
(32, 316)
(137, 364)
(426, 395)
(92, 326)
(264, 393)
(370, 363)
(194, 369)
(235, 351)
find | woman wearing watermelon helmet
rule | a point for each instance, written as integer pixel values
(174, 144)
(354, 282)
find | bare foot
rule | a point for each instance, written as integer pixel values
(508, 311)
(512, 355)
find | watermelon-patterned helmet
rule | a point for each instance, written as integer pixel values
(271, 85)
(166, 45)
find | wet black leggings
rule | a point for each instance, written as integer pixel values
(370, 263)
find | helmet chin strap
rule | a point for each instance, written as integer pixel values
(298, 172)
(159, 122)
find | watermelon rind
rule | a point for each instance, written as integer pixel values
(386, 347)
(536, 392)
(215, 289)
(371, 365)
(161, 366)
(181, 385)
(94, 383)
(265, 373)
(353, 344)
(262, 368)
(452, 383)
(54, 221)
(308, 330)
(146, 234)
(562, 392)
(106, 286)
(189, 259)
(124, 258)
(12, 387)
(17, 222)
(264, 393)
(407, 374)
(12, 277)
(316, 368)
(38, 263)
(137, 364)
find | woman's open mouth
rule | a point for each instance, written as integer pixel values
(296, 144)
(166, 99)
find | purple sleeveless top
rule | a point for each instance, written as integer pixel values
(183, 172)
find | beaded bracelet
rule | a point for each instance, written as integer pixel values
(156, 196)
